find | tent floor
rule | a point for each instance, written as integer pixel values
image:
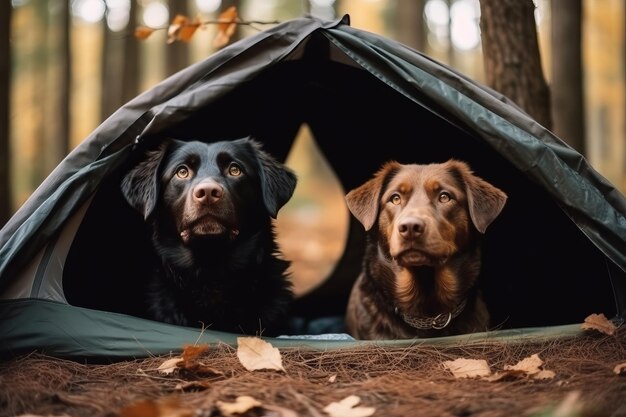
(396, 381)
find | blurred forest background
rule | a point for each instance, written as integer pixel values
(65, 66)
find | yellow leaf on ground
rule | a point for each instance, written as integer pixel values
(348, 408)
(255, 353)
(600, 323)
(241, 405)
(527, 367)
(192, 352)
(468, 368)
(169, 365)
(530, 365)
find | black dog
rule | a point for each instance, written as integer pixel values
(210, 207)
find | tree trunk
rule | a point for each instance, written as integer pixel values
(177, 53)
(112, 61)
(567, 76)
(119, 50)
(409, 21)
(511, 55)
(65, 84)
(6, 197)
(130, 79)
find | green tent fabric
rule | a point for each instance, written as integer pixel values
(69, 257)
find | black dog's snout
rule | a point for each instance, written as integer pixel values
(411, 227)
(208, 191)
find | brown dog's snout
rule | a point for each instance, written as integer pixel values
(208, 192)
(411, 227)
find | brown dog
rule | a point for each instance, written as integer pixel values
(422, 255)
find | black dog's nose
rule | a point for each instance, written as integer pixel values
(208, 191)
(411, 227)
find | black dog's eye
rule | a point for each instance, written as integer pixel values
(234, 170)
(444, 197)
(395, 199)
(182, 172)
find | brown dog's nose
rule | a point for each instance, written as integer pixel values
(411, 227)
(208, 192)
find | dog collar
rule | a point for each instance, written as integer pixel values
(438, 322)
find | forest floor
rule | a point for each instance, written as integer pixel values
(566, 377)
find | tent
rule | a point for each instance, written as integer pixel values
(556, 254)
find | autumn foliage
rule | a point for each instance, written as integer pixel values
(182, 28)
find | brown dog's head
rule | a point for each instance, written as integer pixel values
(426, 212)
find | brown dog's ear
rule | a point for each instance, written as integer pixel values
(363, 201)
(140, 186)
(485, 201)
(277, 181)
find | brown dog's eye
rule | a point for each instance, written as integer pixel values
(444, 197)
(182, 172)
(395, 199)
(234, 170)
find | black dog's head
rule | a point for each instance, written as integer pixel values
(209, 190)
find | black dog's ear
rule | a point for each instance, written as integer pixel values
(277, 181)
(363, 201)
(140, 185)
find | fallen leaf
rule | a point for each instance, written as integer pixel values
(241, 405)
(192, 352)
(620, 369)
(226, 28)
(169, 365)
(255, 353)
(143, 32)
(527, 367)
(348, 408)
(530, 365)
(468, 368)
(600, 323)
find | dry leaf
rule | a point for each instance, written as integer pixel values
(620, 369)
(192, 352)
(468, 368)
(348, 408)
(544, 374)
(530, 365)
(169, 365)
(174, 28)
(600, 323)
(527, 367)
(226, 28)
(143, 32)
(255, 353)
(240, 406)
(188, 29)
